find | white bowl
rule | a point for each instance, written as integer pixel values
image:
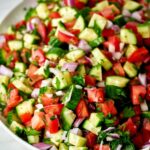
(15, 15)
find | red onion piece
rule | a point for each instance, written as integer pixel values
(111, 48)
(109, 129)
(116, 28)
(126, 13)
(84, 46)
(2, 40)
(30, 26)
(6, 71)
(70, 3)
(114, 135)
(142, 79)
(42, 146)
(88, 59)
(119, 147)
(35, 93)
(71, 67)
(146, 145)
(117, 55)
(137, 16)
(78, 121)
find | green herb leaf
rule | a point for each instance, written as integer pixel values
(128, 112)
(97, 29)
(30, 131)
(30, 13)
(78, 80)
(43, 89)
(83, 12)
(96, 42)
(54, 42)
(19, 131)
(57, 82)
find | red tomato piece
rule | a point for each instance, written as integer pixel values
(54, 15)
(37, 121)
(138, 140)
(118, 69)
(91, 139)
(26, 117)
(103, 147)
(38, 56)
(89, 80)
(6, 111)
(52, 123)
(82, 110)
(67, 37)
(70, 24)
(95, 95)
(115, 41)
(49, 100)
(137, 109)
(148, 92)
(139, 55)
(54, 109)
(108, 32)
(147, 42)
(132, 26)
(41, 28)
(136, 92)
(20, 24)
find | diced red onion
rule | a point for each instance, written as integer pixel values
(142, 79)
(116, 28)
(59, 93)
(42, 146)
(76, 131)
(101, 84)
(111, 48)
(146, 145)
(137, 16)
(35, 21)
(48, 135)
(39, 106)
(2, 40)
(71, 67)
(92, 107)
(35, 93)
(88, 59)
(6, 71)
(109, 129)
(101, 145)
(84, 46)
(119, 147)
(126, 13)
(114, 135)
(67, 33)
(70, 3)
(109, 24)
(46, 82)
(30, 26)
(117, 55)
(78, 121)
(144, 106)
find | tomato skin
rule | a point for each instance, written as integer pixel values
(108, 32)
(148, 93)
(49, 100)
(37, 84)
(54, 15)
(107, 13)
(136, 92)
(91, 139)
(20, 24)
(41, 28)
(26, 117)
(67, 38)
(138, 140)
(108, 107)
(132, 26)
(139, 55)
(147, 42)
(95, 95)
(37, 122)
(103, 147)
(137, 109)
(118, 69)
(70, 24)
(38, 56)
(146, 124)
(52, 124)
(6, 111)
(89, 80)
(54, 109)
(82, 110)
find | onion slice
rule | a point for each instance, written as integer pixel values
(78, 121)
(84, 46)
(42, 146)
(71, 67)
(6, 71)
(142, 79)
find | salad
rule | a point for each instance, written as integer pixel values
(75, 75)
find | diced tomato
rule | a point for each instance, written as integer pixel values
(49, 100)
(38, 56)
(146, 135)
(139, 40)
(37, 121)
(95, 95)
(130, 126)
(13, 56)
(138, 140)
(147, 42)
(10, 37)
(139, 55)
(70, 24)
(107, 54)
(25, 54)
(108, 32)
(103, 147)
(148, 93)
(54, 109)
(118, 69)
(6, 110)
(32, 69)
(52, 123)
(11, 86)
(37, 84)
(108, 107)
(137, 109)
(108, 13)
(146, 124)
(20, 24)
(26, 117)
(54, 15)
(79, 4)
(108, 73)
(83, 61)
(91, 3)
(137, 91)
(67, 37)
(91, 139)
(115, 41)
(74, 31)
(82, 110)
(123, 60)
(41, 28)
(14, 98)
(89, 80)
(132, 26)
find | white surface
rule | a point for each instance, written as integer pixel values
(6, 141)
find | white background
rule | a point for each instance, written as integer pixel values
(6, 141)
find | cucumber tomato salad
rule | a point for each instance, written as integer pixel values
(75, 75)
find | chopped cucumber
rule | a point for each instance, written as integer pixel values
(3, 94)
(130, 69)
(76, 140)
(144, 30)
(67, 118)
(119, 20)
(88, 34)
(117, 81)
(132, 5)
(15, 126)
(15, 45)
(130, 49)
(42, 11)
(80, 24)
(82, 70)
(2, 56)
(4, 79)
(68, 13)
(77, 148)
(63, 146)
(96, 72)
(75, 54)
(127, 36)
(72, 97)
(33, 139)
(20, 67)
(99, 20)
(101, 59)
(100, 6)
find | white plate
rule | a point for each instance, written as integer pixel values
(15, 15)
